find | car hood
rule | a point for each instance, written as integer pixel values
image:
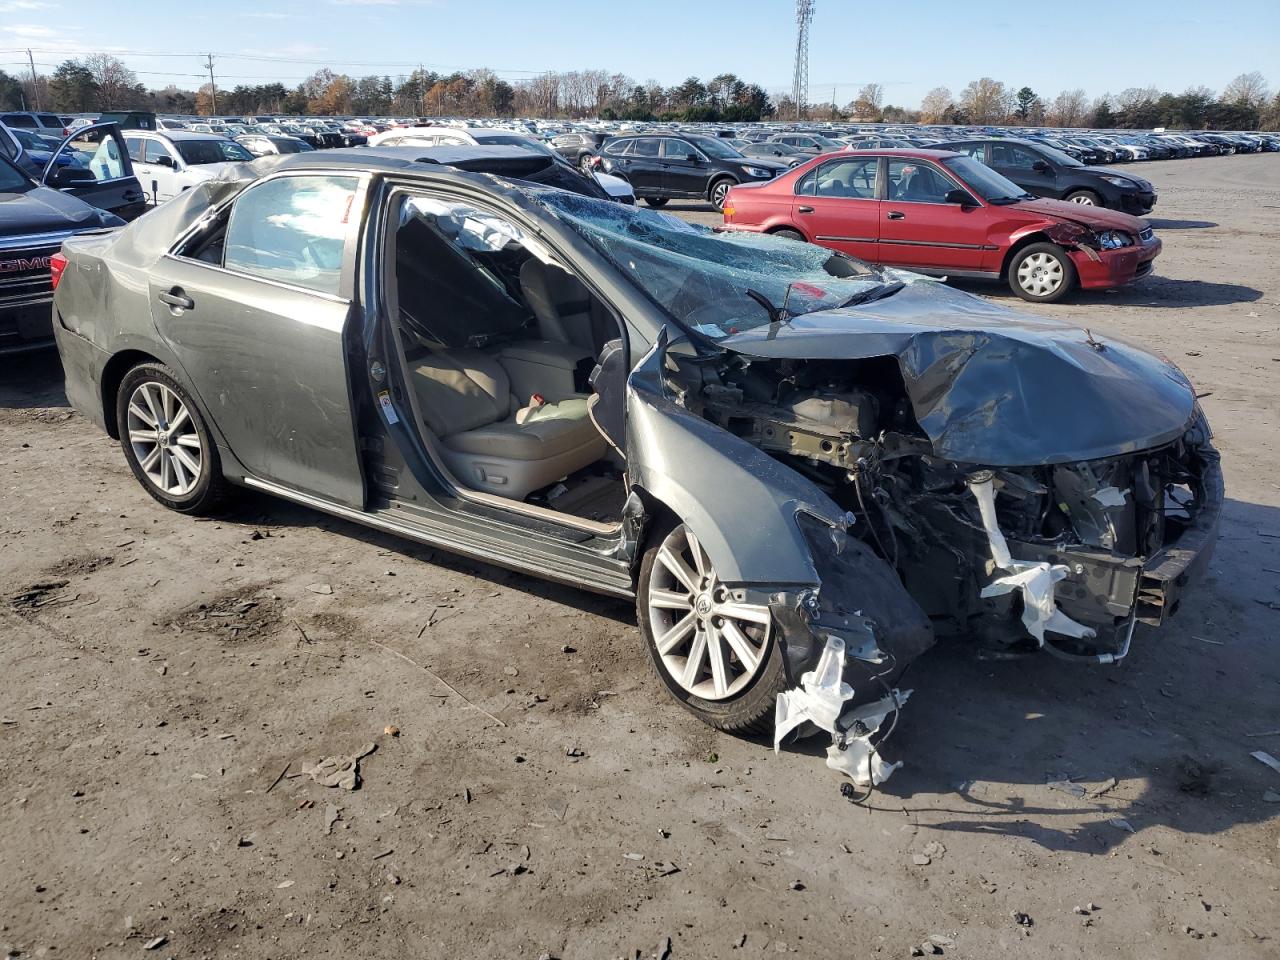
(995, 387)
(44, 210)
(1093, 217)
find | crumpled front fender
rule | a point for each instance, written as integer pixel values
(740, 503)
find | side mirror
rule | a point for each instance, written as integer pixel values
(64, 177)
(1040, 166)
(962, 197)
(164, 161)
(693, 157)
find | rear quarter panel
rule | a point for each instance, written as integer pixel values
(760, 208)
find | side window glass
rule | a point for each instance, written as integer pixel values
(152, 151)
(8, 146)
(977, 151)
(645, 147)
(134, 146)
(914, 182)
(101, 152)
(1007, 155)
(676, 149)
(807, 184)
(292, 229)
(854, 179)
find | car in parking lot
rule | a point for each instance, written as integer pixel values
(262, 144)
(946, 213)
(579, 147)
(40, 211)
(599, 394)
(663, 167)
(1045, 172)
(167, 163)
(46, 123)
(811, 143)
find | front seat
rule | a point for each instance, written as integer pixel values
(489, 441)
(563, 306)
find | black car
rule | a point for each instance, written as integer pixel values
(783, 153)
(811, 143)
(34, 220)
(1046, 172)
(579, 148)
(661, 167)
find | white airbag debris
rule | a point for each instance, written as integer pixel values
(819, 700)
(1035, 579)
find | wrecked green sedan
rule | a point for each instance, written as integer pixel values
(803, 468)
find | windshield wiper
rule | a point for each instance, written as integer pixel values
(875, 293)
(776, 314)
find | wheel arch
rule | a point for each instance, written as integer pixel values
(1021, 241)
(779, 227)
(720, 178)
(112, 374)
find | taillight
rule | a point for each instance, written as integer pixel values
(57, 264)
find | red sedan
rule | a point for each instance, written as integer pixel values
(939, 212)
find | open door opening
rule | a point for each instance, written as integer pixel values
(499, 342)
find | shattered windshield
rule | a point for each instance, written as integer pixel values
(716, 283)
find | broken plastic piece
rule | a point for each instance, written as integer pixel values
(820, 699)
(1110, 496)
(1034, 579)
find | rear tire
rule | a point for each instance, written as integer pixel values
(788, 234)
(166, 442)
(686, 614)
(656, 201)
(719, 191)
(1042, 273)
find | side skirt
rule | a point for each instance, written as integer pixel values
(517, 556)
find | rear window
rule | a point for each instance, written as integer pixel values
(196, 152)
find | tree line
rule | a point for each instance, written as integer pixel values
(102, 82)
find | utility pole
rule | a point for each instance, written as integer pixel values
(800, 83)
(213, 87)
(35, 84)
(422, 91)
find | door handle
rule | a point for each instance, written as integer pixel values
(804, 209)
(177, 300)
(135, 195)
(896, 215)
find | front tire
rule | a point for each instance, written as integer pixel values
(166, 442)
(656, 201)
(718, 655)
(1042, 273)
(1086, 198)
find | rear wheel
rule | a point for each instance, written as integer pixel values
(166, 441)
(586, 162)
(1085, 198)
(1042, 273)
(788, 234)
(656, 201)
(716, 653)
(719, 191)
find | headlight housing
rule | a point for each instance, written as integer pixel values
(1118, 181)
(757, 172)
(1114, 239)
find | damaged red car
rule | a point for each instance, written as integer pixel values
(944, 213)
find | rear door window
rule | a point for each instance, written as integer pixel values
(853, 178)
(645, 147)
(49, 120)
(1011, 156)
(292, 230)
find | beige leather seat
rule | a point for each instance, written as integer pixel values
(489, 438)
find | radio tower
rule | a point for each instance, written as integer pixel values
(800, 86)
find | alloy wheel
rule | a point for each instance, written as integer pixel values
(1084, 200)
(710, 642)
(1040, 274)
(719, 192)
(164, 440)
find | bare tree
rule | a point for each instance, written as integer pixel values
(986, 101)
(936, 103)
(117, 84)
(1069, 108)
(866, 105)
(1248, 89)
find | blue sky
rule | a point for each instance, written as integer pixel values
(908, 46)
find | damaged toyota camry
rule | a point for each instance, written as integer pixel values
(804, 468)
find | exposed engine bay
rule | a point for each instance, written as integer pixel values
(1084, 531)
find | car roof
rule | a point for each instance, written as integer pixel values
(174, 135)
(918, 153)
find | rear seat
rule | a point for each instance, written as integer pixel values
(492, 440)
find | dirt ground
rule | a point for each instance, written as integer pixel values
(158, 675)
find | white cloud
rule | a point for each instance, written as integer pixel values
(16, 6)
(31, 31)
